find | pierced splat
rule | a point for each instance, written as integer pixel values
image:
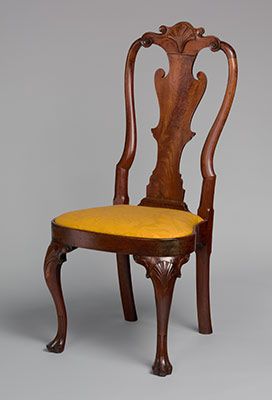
(179, 94)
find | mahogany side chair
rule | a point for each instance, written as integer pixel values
(160, 233)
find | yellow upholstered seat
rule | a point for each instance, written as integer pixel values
(134, 221)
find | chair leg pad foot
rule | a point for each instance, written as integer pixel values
(56, 346)
(161, 367)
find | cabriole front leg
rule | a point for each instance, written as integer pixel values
(55, 256)
(163, 272)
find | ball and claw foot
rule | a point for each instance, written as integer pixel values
(162, 367)
(56, 345)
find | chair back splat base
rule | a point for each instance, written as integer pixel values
(160, 233)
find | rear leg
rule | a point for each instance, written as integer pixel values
(125, 285)
(203, 289)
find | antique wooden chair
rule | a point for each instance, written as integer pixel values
(161, 232)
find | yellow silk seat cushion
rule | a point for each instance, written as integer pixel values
(134, 221)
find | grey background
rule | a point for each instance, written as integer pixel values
(62, 131)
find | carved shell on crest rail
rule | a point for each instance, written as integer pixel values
(181, 38)
(179, 94)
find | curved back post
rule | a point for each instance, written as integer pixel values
(126, 160)
(205, 209)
